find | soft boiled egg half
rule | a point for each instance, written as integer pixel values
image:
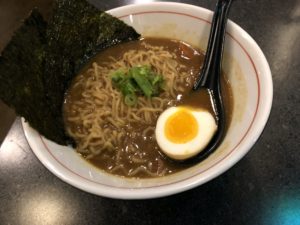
(183, 132)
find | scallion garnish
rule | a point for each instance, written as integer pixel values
(138, 80)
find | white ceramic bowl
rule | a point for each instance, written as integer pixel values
(250, 77)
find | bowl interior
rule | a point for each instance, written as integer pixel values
(250, 78)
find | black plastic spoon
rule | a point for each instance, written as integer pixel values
(209, 77)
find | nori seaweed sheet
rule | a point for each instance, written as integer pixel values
(21, 77)
(38, 64)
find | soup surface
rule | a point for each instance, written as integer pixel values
(118, 138)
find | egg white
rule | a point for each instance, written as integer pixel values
(207, 128)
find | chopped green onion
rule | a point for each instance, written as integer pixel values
(130, 99)
(139, 80)
(142, 81)
(118, 76)
(128, 87)
(157, 79)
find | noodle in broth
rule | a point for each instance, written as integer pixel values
(118, 138)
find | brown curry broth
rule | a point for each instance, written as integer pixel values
(147, 147)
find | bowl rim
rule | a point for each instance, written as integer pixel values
(190, 182)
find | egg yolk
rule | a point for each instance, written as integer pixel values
(181, 127)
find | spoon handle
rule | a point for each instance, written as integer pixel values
(209, 77)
